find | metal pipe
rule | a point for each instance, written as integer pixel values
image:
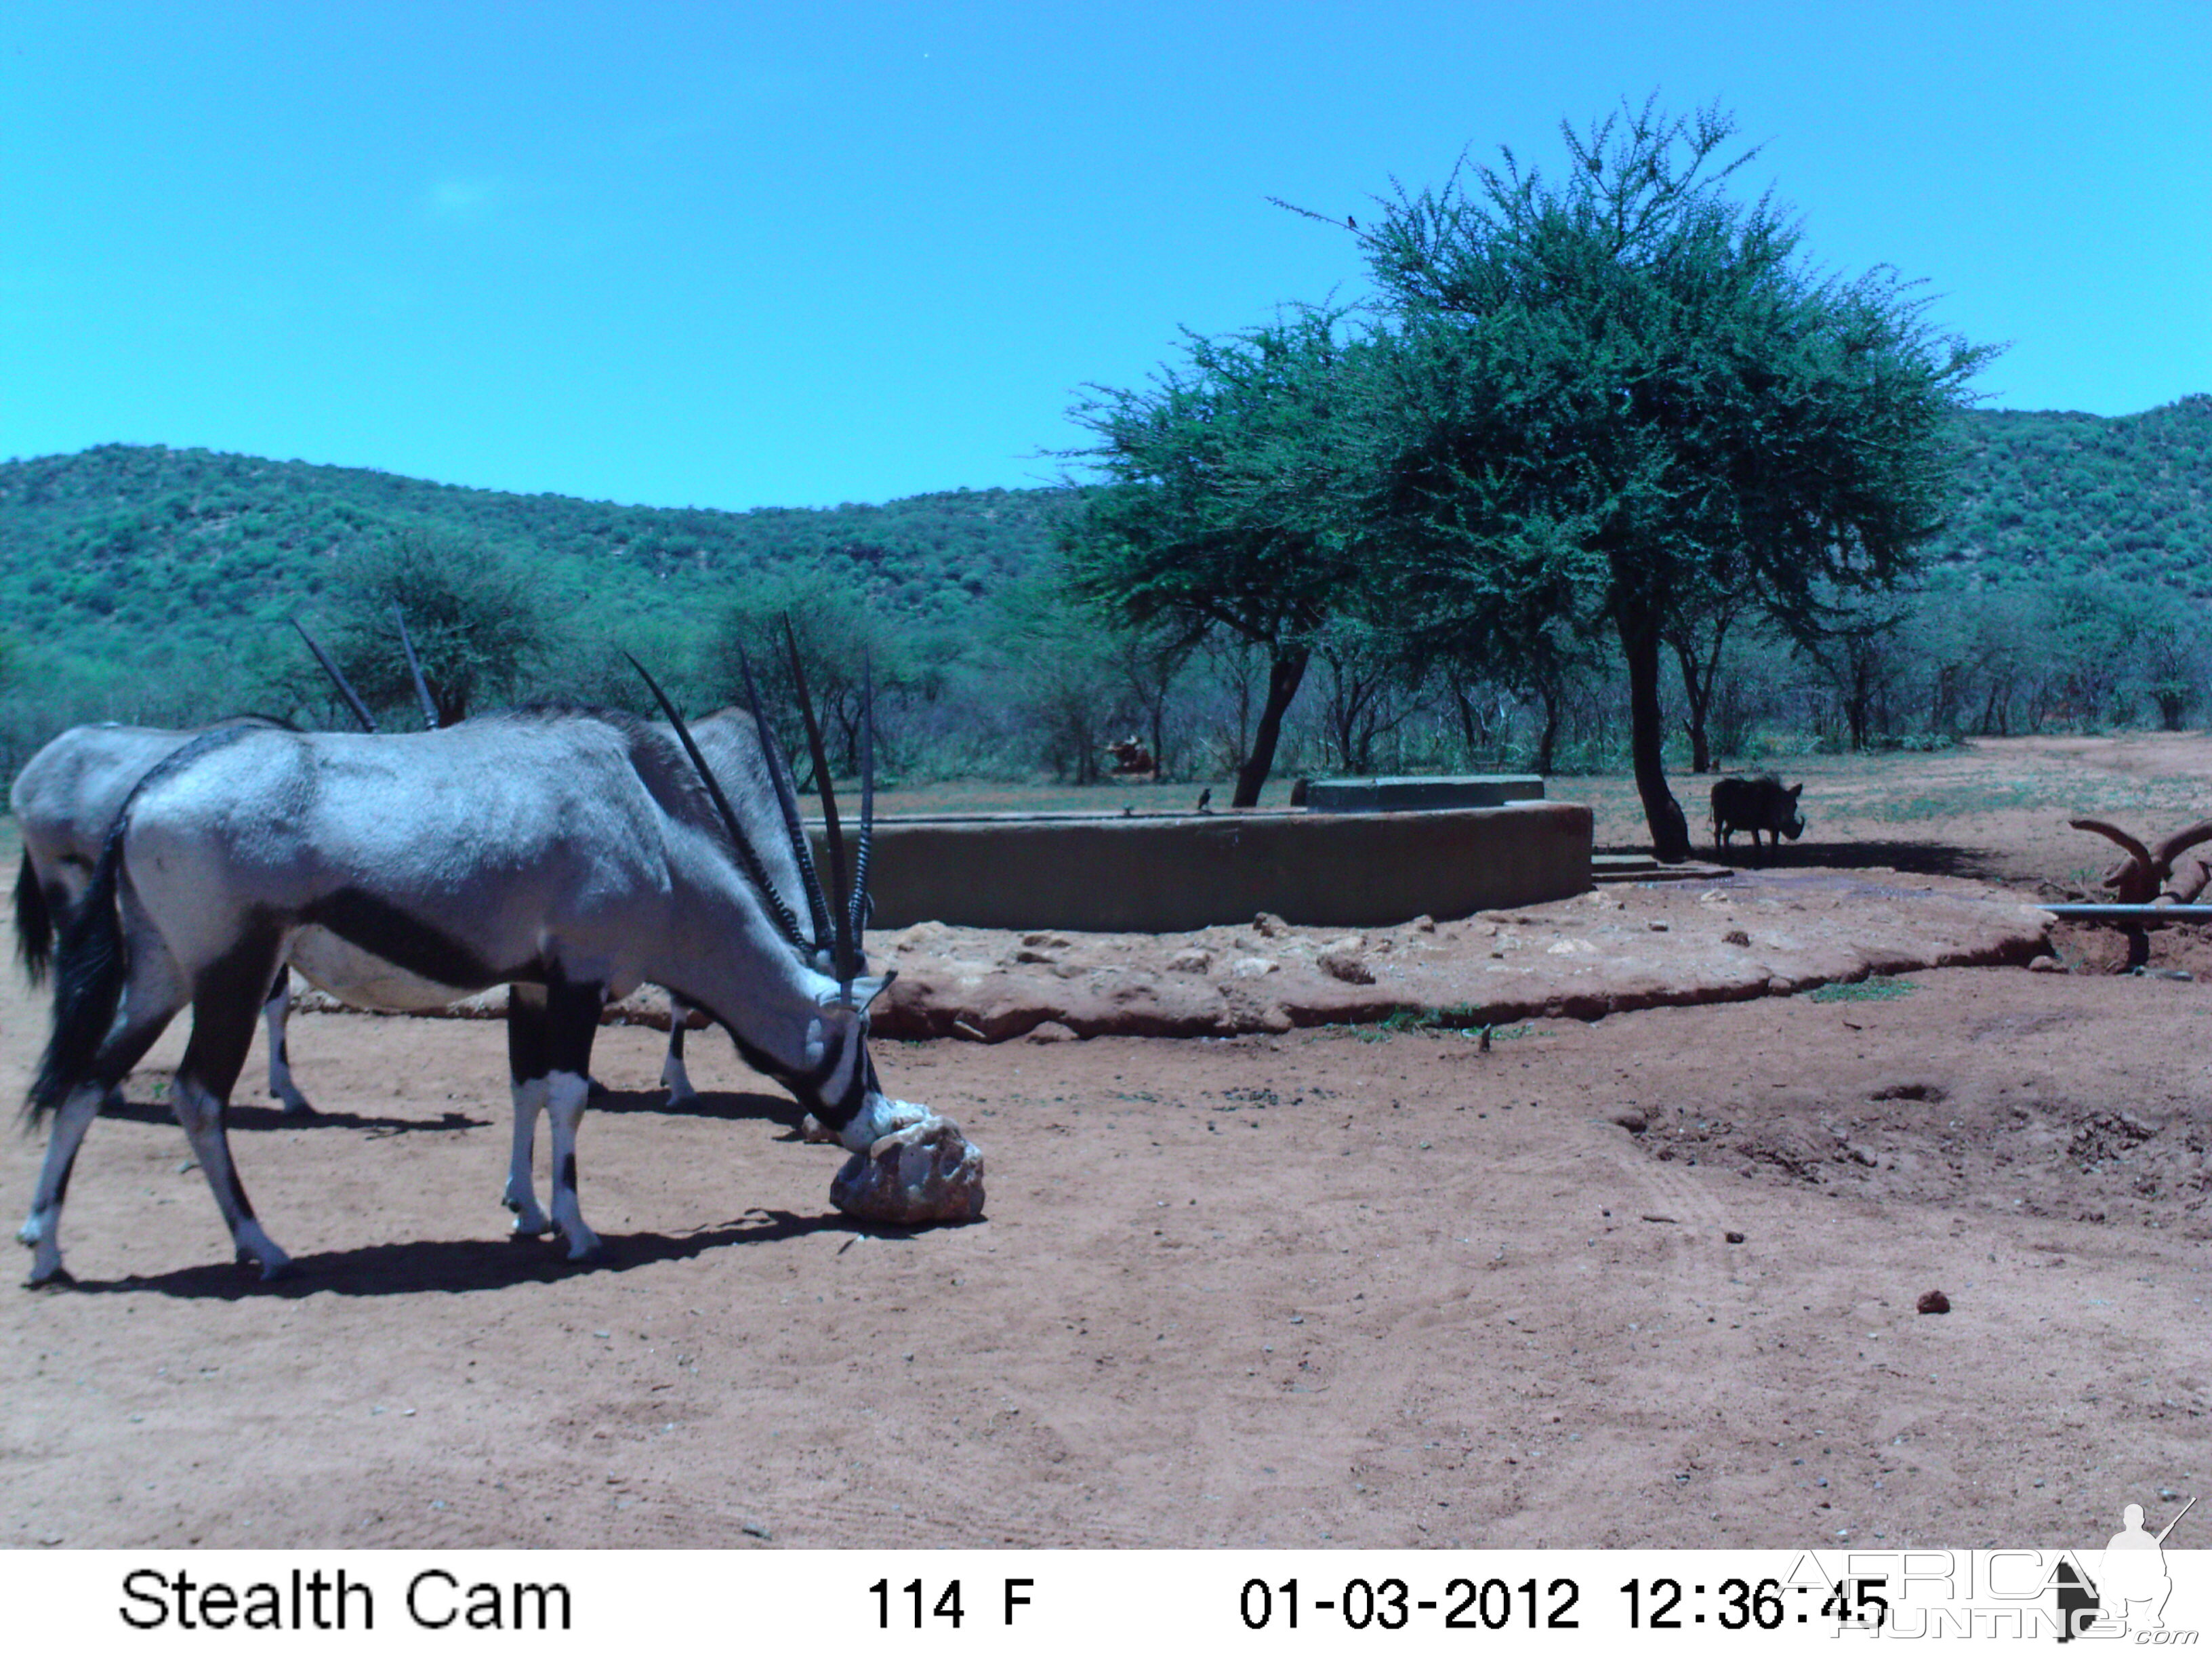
(2130, 912)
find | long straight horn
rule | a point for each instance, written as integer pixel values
(787, 800)
(774, 899)
(846, 967)
(353, 699)
(415, 671)
(858, 913)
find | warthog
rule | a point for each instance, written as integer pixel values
(1756, 803)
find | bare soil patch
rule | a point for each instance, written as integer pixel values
(1650, 1278)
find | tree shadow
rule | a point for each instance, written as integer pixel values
(1911, 858)
(461, 1266)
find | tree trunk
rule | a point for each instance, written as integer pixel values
(1463, 706)
(1698, 692)
(1647, 735)
(1284, 674)
(1695, 696)
(1551, 696)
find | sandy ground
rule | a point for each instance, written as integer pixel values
(1646, 1279)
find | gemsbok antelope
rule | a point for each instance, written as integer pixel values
(67, 794)
(571, 855)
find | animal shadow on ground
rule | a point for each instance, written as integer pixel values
(454, 1265)
(255, 1119)
(722, 1105)
(1911, 858)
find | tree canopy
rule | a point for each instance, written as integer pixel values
(473, 615)
(1229, 509)
(1623, 397)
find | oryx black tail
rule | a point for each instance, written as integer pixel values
(91, 964)
(35, 923)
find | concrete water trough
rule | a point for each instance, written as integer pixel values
(1174, 873)
(1421, 795)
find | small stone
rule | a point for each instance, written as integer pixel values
(1269, 925)
(1054, 941)
(1656, 927)
(1732, 1238)
(1935, 1301)
(927, 1172)
(2046, 965)
(815, 1133)
(1423, 924)
(1050, 1031)
(1343, 960)
(1634, 1121)
(1735, 936)
(1191, 960)
(1251, 968)
(1028, 955)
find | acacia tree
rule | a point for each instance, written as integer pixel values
(1615, 396)
(475, 615)
(846, 645)
(1229, 507)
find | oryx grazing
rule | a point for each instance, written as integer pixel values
(572, 854)
(66, 797)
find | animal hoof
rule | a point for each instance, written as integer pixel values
(587, 1247)
(300, 1108)
(275, 1265)
(56, 1278)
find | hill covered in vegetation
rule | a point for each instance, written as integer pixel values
(104, 551)
(151, 584)
(2050, 494)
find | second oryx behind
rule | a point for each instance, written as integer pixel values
(572, 854)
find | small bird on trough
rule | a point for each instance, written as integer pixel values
(1205, 796)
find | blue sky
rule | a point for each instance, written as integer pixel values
(738, 255)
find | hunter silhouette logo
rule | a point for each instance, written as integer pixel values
(2131, 1585)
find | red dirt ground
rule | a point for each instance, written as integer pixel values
(1326, 1285)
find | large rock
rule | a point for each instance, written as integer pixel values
(929, 1172)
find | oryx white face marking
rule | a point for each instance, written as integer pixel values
(880, 1115)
